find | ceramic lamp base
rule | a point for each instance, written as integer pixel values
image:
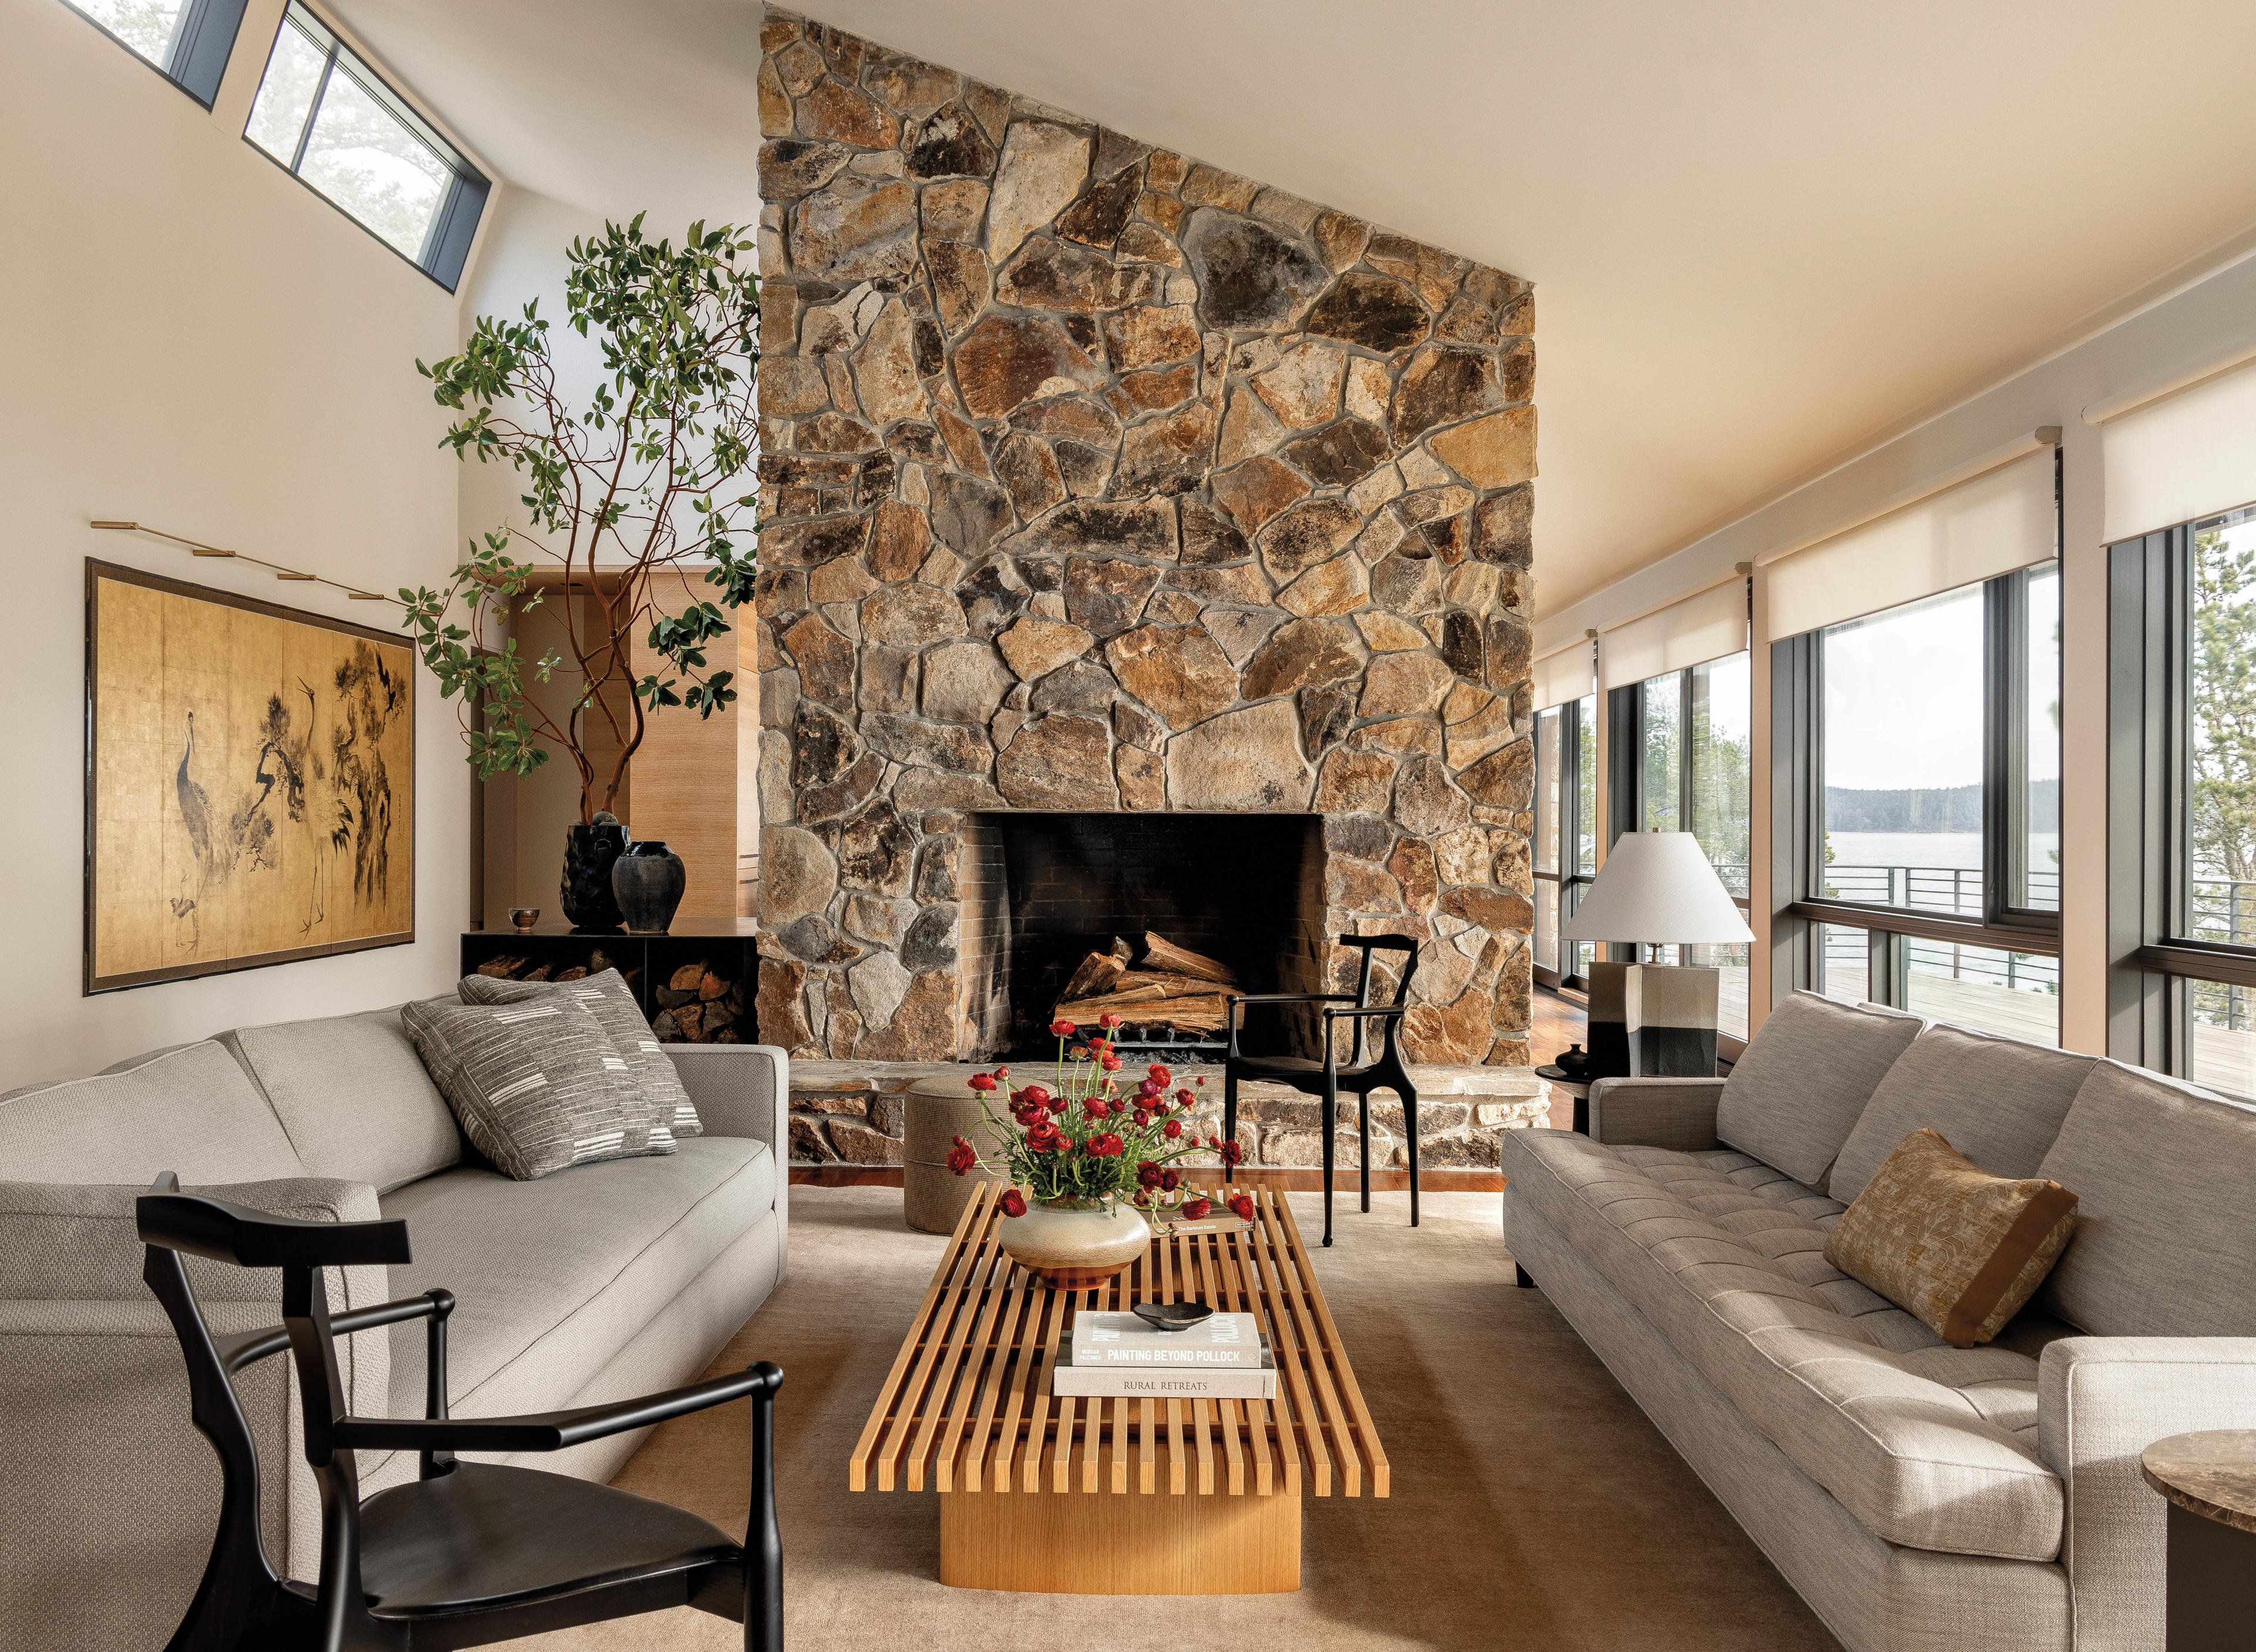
(1653, 1020)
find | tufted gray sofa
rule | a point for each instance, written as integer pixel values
(1917, 1495)
(598, 1282)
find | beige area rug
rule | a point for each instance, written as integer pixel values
(1532, 1507)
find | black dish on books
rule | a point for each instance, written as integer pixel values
(1172, 1315)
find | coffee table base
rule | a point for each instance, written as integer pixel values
(1121, 1542)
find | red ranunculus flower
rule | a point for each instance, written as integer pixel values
(1195, 1210)
(1044, 1137)
(1148, 1174)
(1241, 1206)
(1185, 1097)
(1170, 1180)
(1150, 1087)
(1013, 1202)
(982, 1082)
(1033, 1095)
(1111, 1063)
(1108, 1020)
(1063, 1030)
(1107, 1145)
(1174, 1128)
(961, 1157)
(1160, 1074)
(1097, 1109)
(1233, 1152)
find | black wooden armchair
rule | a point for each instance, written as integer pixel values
(469, 1553)
(1326, 1078)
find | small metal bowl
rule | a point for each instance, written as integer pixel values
(524, 917)
(1172, 1315)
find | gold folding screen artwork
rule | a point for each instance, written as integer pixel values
(251, 783)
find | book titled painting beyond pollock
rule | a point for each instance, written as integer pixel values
(1117, 1355)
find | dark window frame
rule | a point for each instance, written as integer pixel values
(1568, 875)
(1628, 794)
(2152, 965)
(196, 59)
(1798, 811)
(446, 247)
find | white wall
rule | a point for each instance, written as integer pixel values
(192, 339)
(2196, 326)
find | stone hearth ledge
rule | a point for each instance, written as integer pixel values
(850, 1113)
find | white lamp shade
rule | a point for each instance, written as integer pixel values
(1657, 888)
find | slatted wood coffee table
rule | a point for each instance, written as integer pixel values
(1117, 1496)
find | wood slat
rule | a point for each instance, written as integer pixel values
(967, 1404)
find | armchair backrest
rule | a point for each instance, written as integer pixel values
(1367, 944)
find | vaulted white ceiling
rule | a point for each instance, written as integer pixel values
(1764, 233)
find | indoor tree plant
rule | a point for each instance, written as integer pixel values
(1085, 1163)
(630, 486)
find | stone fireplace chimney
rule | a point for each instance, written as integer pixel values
(1102, 481)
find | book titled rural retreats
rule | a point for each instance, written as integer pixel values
(1118, 1355)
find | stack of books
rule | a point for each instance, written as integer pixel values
(1114, 1355)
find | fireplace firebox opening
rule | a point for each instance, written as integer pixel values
(1040, 891)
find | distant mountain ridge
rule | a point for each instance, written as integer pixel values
(1936, 809)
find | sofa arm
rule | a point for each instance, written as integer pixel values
(2101, 1400)
(107, 1475)
(1655, 1112)
(738, 1089)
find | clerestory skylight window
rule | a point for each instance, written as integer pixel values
(333, 121)
(186, 40)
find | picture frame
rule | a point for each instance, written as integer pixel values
(250, 783)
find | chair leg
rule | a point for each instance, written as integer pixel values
(1331, 1104)
(1410, 1123)
(763, 1538)
(1363, 1154)
(1228, 1103)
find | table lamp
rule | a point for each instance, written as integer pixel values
(1650, 1021)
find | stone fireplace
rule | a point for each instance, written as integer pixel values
(1119, 509)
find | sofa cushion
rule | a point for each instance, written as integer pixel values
(612, 1001)
(189, 1109)
(538, 1086)
(1995, 1100)
(2165, 1237)
(1940, 1237)
(1795, 1096)
(553, 1277)
(354, 1096)
(1928, 1446)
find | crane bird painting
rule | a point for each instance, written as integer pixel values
(252, 783)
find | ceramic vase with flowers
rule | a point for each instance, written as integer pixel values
(1089, 1164)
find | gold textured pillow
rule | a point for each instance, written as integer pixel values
(1943, 1239)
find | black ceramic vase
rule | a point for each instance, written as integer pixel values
(648, 880)
(590, 853)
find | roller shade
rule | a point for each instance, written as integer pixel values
(1564, 675)
(2186, 456)
(1706, 625)
(1996, 523)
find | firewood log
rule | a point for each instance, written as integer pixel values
(1184, 1014)
(1097, 974)
(1163, 954)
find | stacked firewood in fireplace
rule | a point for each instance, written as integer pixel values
(1169, 988)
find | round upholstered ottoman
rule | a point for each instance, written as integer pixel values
(934, 1112)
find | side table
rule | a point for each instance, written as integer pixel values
(1578, 1087)
(934, 1112)
(2209, 1478)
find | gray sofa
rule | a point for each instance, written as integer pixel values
(598, 1282)
(1917, 1495)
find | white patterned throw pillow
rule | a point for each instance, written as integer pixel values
(612, 1001)
(537, 1085)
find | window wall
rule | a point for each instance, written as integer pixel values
(2186, 599)
(1693, 732)
(1922, 824)
(1566, 856)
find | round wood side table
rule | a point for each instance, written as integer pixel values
(2210, 1479)
(934, 1112)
